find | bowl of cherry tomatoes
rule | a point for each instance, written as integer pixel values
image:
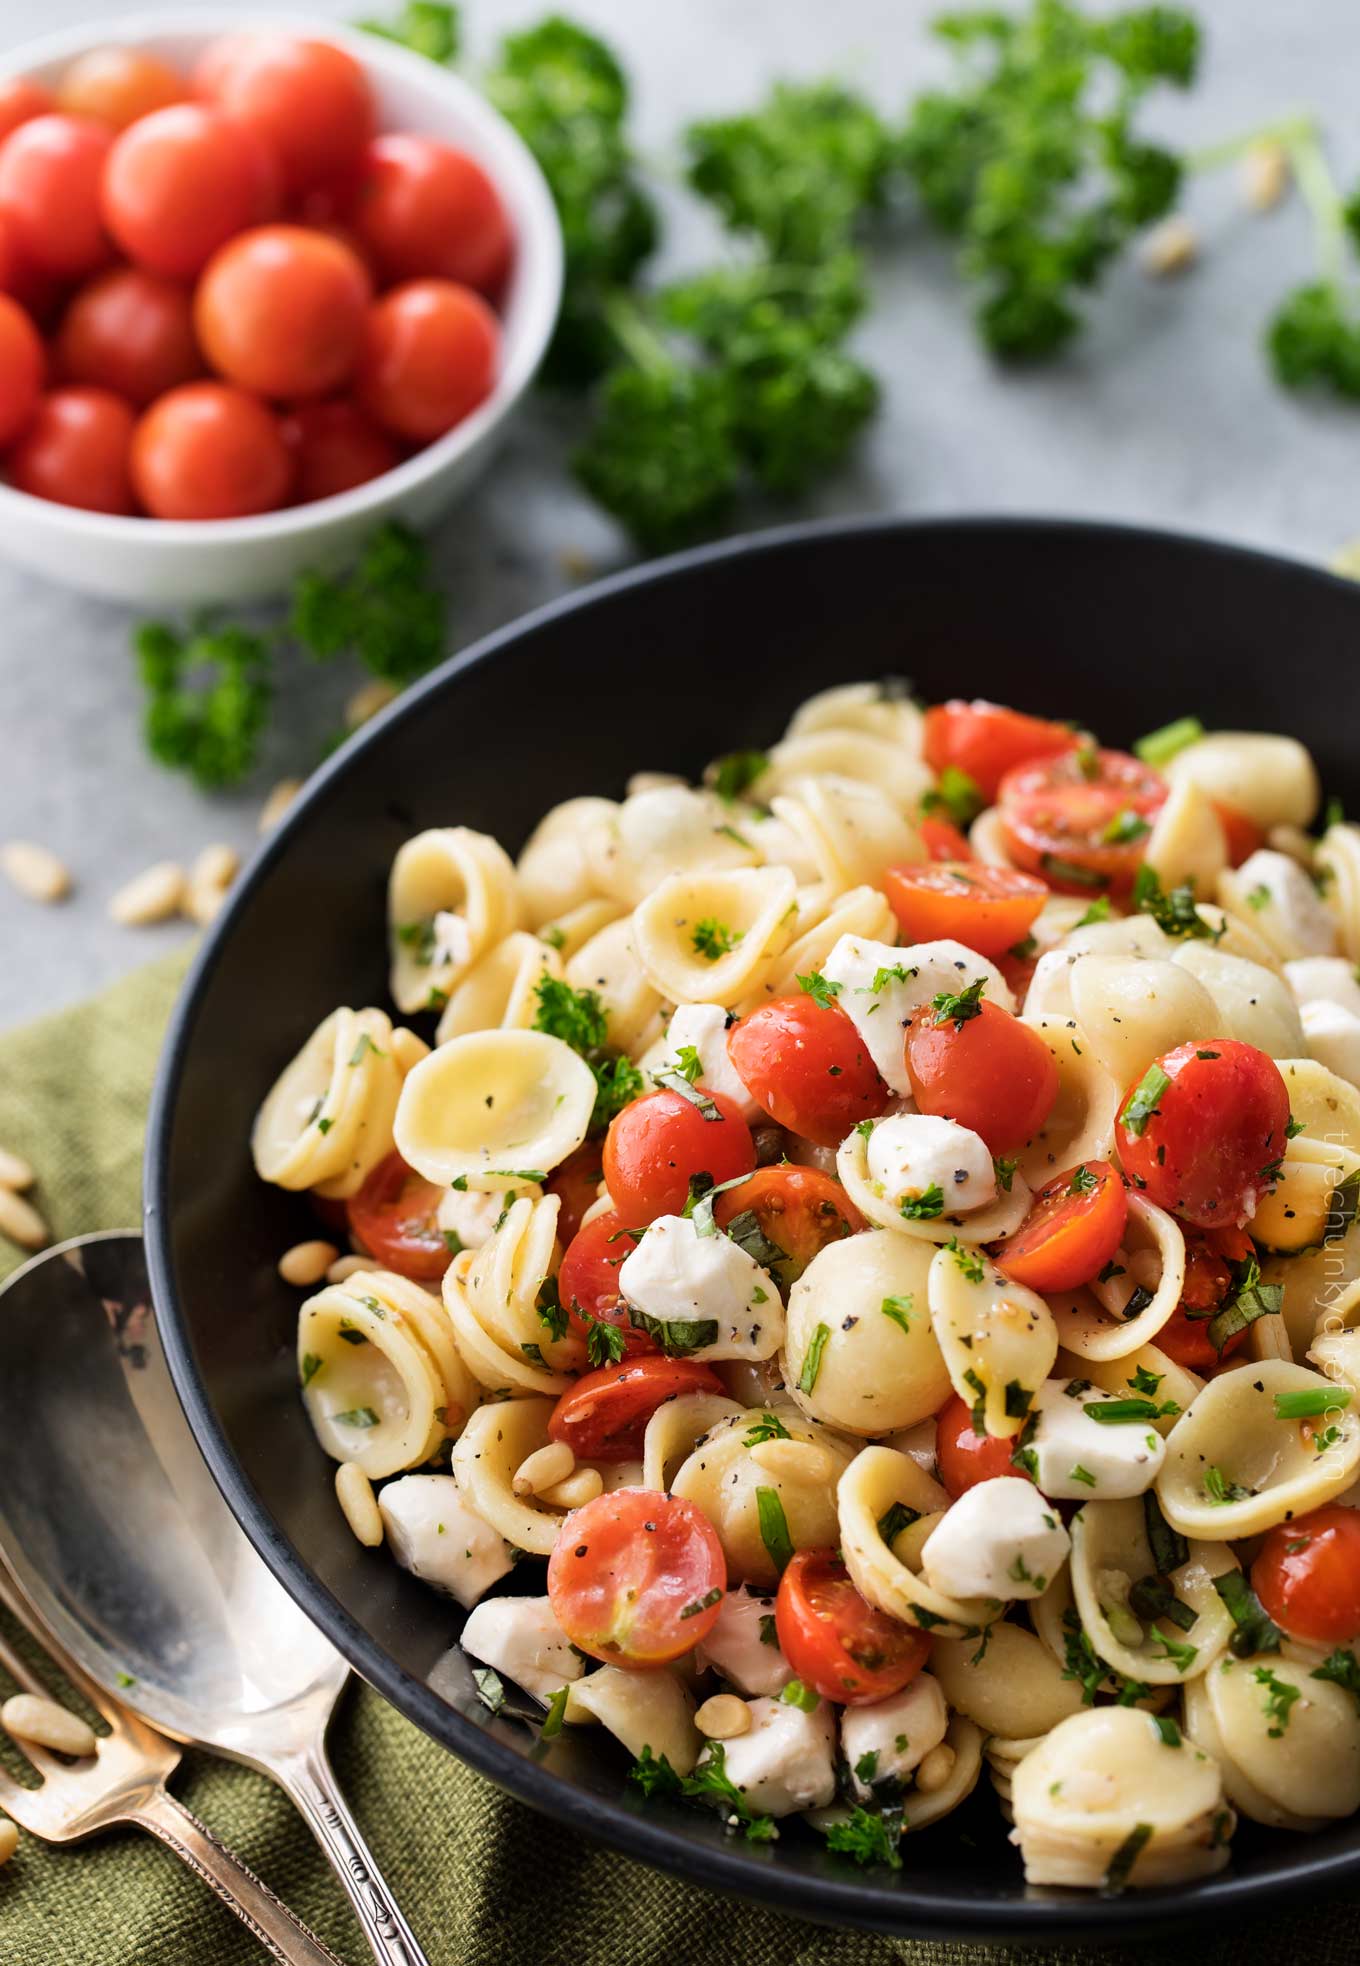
(264, 283)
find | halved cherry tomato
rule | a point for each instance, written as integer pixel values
(1202, 1130)
(1209, 1256)
(637, 1577)
(965, 1457)
(1244, 836)
(942, 839)
(1018, 970)
(807, 1065)
(1307, 1575)
(281, 310)
(1074, 1226)
(604, 1416)
(395, 1217)
(655, 1144)
(838, 1643)
(588, 1281)
(576, 1184)
(988, 1071)
(799, 1209)
(989, 909)
(1080, 820)
(986, 740)
(308, 102)
(50, 172)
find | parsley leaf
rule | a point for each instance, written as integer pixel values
(823, 992)
(869, 1836)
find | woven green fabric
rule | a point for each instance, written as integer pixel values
(484, 1881)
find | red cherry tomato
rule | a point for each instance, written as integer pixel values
(117, 85)
(308, 102)
(334, 447)
(1017, 970)
(394, 1215)
(989, 909)
(20, 102)
(632, 1575)
(430, 355)
(965, 1457)
(576, 1183)
(37, 292)
(1244, 836)
(1081, 819)
(424, 208)
(942, 839)
(132, 332)
(1208, 1122)
(74, 450)
(655, 1144)
(1074, 1226)
(208, 451)
(180, 182)
(280, 311)
(21, 369)
(989, 1072)
(588, 1281)
(838, 1643)
(986, 740)
(50, 173)
(1307, 1575)
(799, 1210)
(1209, 1257)
(807, 1065)
(604, 1416)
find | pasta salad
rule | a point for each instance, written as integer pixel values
(854, 1283)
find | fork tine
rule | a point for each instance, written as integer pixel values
(16, 1603)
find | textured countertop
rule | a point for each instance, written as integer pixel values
(1163, 412)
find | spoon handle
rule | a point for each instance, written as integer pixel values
(283, 1935)
(309, 1779)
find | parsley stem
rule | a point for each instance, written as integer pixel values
(1284, 129)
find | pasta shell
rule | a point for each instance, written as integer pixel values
(723, 1480)
(1338, 863)
(370, 1387)
(710, 937)
(501, 991)
(641, 1709)
(1085, 1329)
(1187, 845)
(1081, 1125)
(497, 1440)
(424, 1315)
(879, 1365)
(1268, 777)
(492, 1296)
(1133, 1012)
(865, 707)
(994, 1223)
(1011, 1686)
(890, 1577)
(1253, 1003)
(451, 895)
(608, 964)
(568, 933)
(675, 1430)
(555, 869)
(821, 922)
(671, 830)
(327, 1121)
(851, 831)
(997, 1338)
(493, 1108)
(1110, 1553)
(1295, 1773)
(855, 754)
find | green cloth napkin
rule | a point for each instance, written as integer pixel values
(483, 1880)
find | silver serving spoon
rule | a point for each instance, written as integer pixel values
(119, 1538)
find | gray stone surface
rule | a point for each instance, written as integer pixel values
(1163, 412)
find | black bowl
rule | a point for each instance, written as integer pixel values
(666, 667)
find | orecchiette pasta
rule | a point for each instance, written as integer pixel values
(493, 1108)
(862, 1306)
(1011, 1686)
(709, 937)
(742, 1489)
(997, 1338)
(501, 991)
(555, 869)
(1118, 1592)
(1287, 1741)
(328, 1120)
(453, 893)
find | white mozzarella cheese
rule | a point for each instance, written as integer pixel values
(999, 1539)
(881, 987)
(469, 1216)
(433, 1533)
(1324, 979)
(1284, 904)
(737, 1649)
(522, 1640)
(1333, 1035)
(785, 1762)
(891, 1738)
(675, 1273)
(704, 1027)
(914, 1152)
(1078, 1459)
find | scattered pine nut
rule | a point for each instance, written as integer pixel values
(278, 802)
(217, 865)
(15, 1172)
(358, 1504)
(153, 896)
(21, 1222)
(576, 564)
(9, 1839)
(407, 1048)
(1346, 560)
(29, 1718)
(800, 1460)
(307, 1262)
(347, 1266)
(545, 1468)
(723, 1717)
(35, 871)
(367, 702)
(1265, 175)
(579, 1488)
(1170, 248)
(935, 1769)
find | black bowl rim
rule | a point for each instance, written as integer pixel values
(850, 1903)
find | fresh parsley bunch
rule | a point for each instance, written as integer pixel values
(1313, 339)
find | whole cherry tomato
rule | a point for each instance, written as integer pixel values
(963, 1456)
(807, 1065)
(280, 311)
(981, 1067)
(659, 1141)
(986, 740)
(117, 85)
(1201, 1132)
(430, 355)
(130, 331)
(208, 451)
(180, 182)
(74, 450)
(21, 369)
(395, 1215)
(308, 102)
(424, 208)
(51, 169)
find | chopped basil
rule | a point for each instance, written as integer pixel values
(1169, 1548)
(1159, 747)
(1305, 1405)
(1124, 1859)
(310, 1366)
(680, 1081)
(774, 1527)
(1111, 1412)
(1254, 1629)
(812, 1358)
(899, 1309)
(358, 1416)
(704, 1603)
(1280, 1697)
(490, 1688)
(552, 1720)
(677, 1337)
(1141, 1103)
(894, 1520)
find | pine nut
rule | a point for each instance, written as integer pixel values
(800, 1460)
(278, 802)
(9, 1839)
(358, 1504)
(935, 1769)
(367, 702)
(15, 1172)
(407, 1048)
(1170, 248)
(1265, 175)
(29, 1718)
(723, 1717)
(575, 1491)
(211, 875)
(35, 871)
(345, 1267)
(307, 1262)
(153, 896)
(203, 904)
(544, 1468)
(21, 1222)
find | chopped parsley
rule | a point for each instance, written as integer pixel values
(1173, 910)
(358, 1416)
(820, 988)
(869, 1836)
(1005, 1172)
(1220, 1491)
(1141, 1104)
(768, 1427)
(769, 1631)
(1083, 1182)
(1343, 1669)
(958, 1007)
(1280, 1698)
(654, 1774)
(966, 1260)
(579, 1019)
(883, 977)
(923, 1207)
(737, 772)
(956, 794)
(711, 938)
(711, 1783)
(1099, 911)
(899, 1309)
(605, 1342)
(1258, 897)
(551, 1311)
(490, 1688)
(309, 1367)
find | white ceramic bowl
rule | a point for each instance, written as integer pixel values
(170, 560)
